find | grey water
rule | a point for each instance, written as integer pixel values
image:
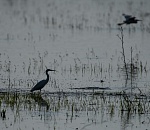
(80, 40)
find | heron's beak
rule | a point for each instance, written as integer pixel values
(52, 70)
(56, 71)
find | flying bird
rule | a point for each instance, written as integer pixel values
(42, 83)
(129, 19)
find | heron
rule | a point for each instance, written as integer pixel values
(129, 19)
(42, 83)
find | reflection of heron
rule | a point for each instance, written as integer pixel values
(42, 83)
(129, 19)
(39, 99)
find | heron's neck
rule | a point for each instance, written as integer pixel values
(47, 76)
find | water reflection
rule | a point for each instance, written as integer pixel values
(125, 120)
(86, 110)
(39, 100)
(78, 38)
(3, 114)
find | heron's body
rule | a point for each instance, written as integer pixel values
(42, 83)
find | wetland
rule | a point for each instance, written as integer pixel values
(101, 81)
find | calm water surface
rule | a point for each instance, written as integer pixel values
(78, 39)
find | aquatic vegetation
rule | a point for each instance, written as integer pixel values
(73, 106)
(78, 39)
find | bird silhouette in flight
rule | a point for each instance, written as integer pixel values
(129, 19)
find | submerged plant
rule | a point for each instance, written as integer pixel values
(123, 50)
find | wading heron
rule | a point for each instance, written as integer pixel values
(42, 83)
(129, 19)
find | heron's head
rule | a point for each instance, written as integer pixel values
(49, 70)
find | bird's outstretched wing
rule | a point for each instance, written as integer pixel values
(127, 17)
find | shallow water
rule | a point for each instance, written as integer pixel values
(78, 39)
(73, 111)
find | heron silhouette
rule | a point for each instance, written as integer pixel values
(42, 83)
(129, 19)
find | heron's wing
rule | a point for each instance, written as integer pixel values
(39, 85)
(127, 16)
